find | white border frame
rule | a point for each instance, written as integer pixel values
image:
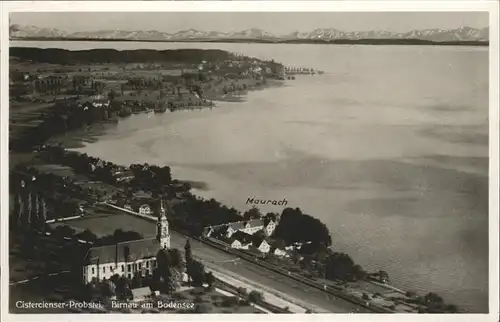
(270, 6)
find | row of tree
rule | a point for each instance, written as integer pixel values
(29, 212)
(50, 85)
(36, 197)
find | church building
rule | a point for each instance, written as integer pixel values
(127, 258)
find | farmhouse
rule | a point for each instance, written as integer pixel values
(264, 247)
(240, 240)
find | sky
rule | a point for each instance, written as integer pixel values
(277, 23)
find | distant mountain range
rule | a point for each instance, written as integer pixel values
(462, 34)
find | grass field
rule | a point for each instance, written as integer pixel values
(33, 255)
(105, 223)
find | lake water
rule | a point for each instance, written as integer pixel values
(389, 148)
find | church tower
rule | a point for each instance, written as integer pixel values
(162, 233)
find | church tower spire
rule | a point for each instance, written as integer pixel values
(162, 232)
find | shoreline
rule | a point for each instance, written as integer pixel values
(79, 137)
(359, 42)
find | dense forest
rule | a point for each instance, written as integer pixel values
(294, 226)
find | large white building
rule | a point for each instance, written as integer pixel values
(127, 258)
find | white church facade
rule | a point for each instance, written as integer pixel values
(127, 258)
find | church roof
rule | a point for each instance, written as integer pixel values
(122, 252)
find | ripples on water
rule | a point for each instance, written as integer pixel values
(389, 148)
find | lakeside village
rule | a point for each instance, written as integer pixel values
(66, 233)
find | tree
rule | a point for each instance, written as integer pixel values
(136, 280)
(451, 308)
(87, 235)
(242, 292)
(36, 210)
(358, 272)
(383, 276)
(165, 276)
(115, 278)
(123, 290)
(18, 209)
(202, 308)
(63, 231)
(306, 263)
(123, 236)
(255, 297)
(210, 279)
(196, 271)
(258, 237)
(175, 258)
(294, 226)
(433, 299)
(339, 266)
(252, 213)
(163, 260)
(279, 243)
(187, 252)
(174, 280)
(43, 214)
(29, 212)
(108, 288)
(411, 294)
(271, 216)
(112, 94)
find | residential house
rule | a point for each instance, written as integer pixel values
(145, 210)
(208, 231)
(123, 175)
(128, 207)
(218, 231)
(252, 226)
(264, 247)
(269, 227)
(141, 293)
(281, 253)
(257, 70)
(240, 240)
